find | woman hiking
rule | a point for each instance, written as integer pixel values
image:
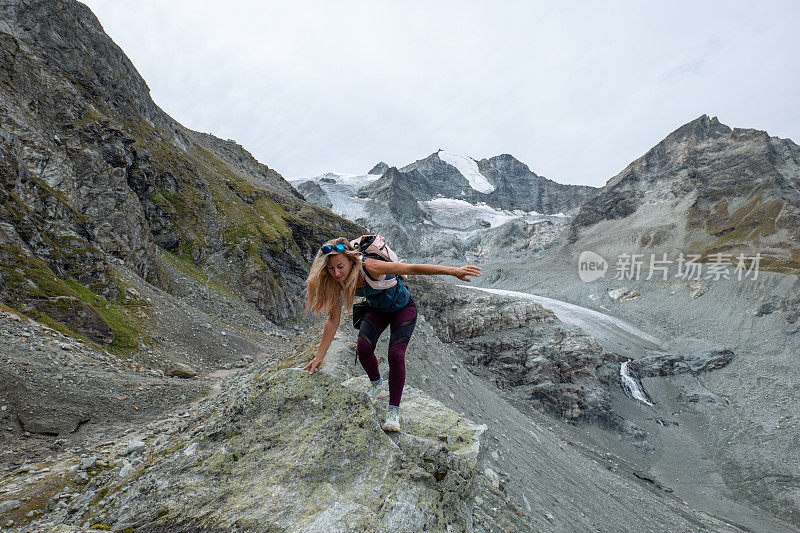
(338, 273)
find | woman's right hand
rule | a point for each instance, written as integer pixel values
(314, 364)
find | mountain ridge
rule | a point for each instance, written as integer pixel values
(728, 191)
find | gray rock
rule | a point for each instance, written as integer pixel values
(668, 365)
(88, 462)
(246, 453)
(181, 370)
(379, 169)
(9, 505)
(522, 348)
(135, 446)
(494, 479)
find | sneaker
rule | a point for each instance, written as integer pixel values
(392, 422)
(376, 391)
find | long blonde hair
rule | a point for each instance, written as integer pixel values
(322, 289)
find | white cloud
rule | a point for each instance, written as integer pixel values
(576, 90)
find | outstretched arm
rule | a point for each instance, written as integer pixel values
(376, 268)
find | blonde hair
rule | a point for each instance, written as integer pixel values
(322, 289)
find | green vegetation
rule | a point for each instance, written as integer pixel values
(28, 278)
(127, 336)
(744, 229)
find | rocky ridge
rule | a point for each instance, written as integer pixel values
(274, 448)
(305, 454)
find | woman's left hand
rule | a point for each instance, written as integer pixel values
(467, 270)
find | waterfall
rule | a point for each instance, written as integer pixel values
(630, 385)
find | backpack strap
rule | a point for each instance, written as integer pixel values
(364, 268)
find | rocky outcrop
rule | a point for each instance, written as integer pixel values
(705, 189)
(292, 452)
(669, 365)
(787, 308)
(516, 237)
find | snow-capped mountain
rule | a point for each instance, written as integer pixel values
(468, 168)
(502, 182)
(444, 191)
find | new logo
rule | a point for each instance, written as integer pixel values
(591, 266)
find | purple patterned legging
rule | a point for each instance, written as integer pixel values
(402, 325)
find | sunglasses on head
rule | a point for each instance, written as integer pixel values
(336, 247)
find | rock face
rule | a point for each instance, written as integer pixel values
(517, 187)
(245, 165)
(393, 199)
(669, 365)
(524, 349)
(705, 189)
(299, 453)
(91, 171)
(516, 237)
(313, 193)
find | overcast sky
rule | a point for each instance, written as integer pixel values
(575, 90)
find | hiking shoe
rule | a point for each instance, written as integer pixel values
(376, 391)
(392, 422)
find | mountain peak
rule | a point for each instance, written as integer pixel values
(509, 163)
(379, 169)
(701, 128)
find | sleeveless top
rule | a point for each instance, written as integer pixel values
(388, 300)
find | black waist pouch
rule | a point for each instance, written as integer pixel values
(359, 310)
